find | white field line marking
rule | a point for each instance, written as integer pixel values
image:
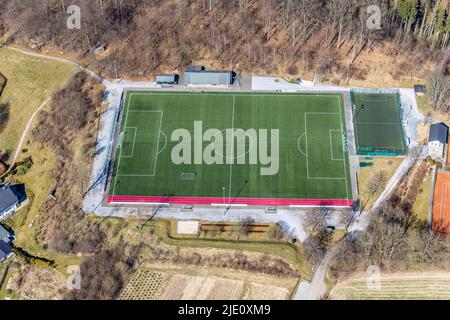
(307, 152)
(298, 144)
(157, 143)
(120, 151)
(232, 153)
(355, 125)
(375, 100)
(165, 143)
(378, 123)
(397, 112)
(228, 94)
(134, 141)
(331, 144)
(345, 158)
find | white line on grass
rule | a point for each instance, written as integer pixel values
(120, 151)
(232, 152)
(165, 141)
(331, 144)
(345, 161)
(298, 144)
(134, 141)
(379, 123)
(307, 152)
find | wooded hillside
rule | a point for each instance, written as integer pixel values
(147, 36)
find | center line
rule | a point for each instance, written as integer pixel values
(232, 152)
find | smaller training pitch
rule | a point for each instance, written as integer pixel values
(286, 149)
(378, 124)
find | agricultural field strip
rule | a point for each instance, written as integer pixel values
(233, 115)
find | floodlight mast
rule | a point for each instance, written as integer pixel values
(236, 196)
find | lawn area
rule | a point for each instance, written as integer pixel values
(209, 148)
(422, 204)
(388, 164)
(38, 180)
(163, 230)
(288, 252)
(30, 81)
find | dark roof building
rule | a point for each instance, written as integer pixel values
(209, 77)
(166, 78)
(5, 250)
(438, 132)
(419, 89)
(5, 235)
(8, 200)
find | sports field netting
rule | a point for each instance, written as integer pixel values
(313, 161)
(378, 123)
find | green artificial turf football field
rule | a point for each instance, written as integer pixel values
(378, 124)
(228, 145)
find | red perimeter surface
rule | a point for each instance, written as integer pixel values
(247, 201)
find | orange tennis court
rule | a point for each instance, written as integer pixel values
(441, 203)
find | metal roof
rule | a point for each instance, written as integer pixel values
(419, 88)
(4, 233)
(438, 132)
(5, 250)
(7, 198)
(194, 68)
(208, 77)
(166, 77)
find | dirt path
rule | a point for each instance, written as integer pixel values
(27, 127)
(30, 120)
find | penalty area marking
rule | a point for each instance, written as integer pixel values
(165, 141)
(134, 141)
(375, 100)
(157, 151)
(306, 135)
(298, 144)
(331, 145)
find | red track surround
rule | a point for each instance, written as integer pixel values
(212, 200)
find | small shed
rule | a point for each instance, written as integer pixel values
(437, 140)
(420, 89)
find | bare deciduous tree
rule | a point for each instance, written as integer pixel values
(316, 218)
(439, 89)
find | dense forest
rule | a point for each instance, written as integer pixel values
(143, 37)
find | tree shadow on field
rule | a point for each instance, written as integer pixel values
(4, 115)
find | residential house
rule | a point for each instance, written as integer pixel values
(437, 140)
(6, 238)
